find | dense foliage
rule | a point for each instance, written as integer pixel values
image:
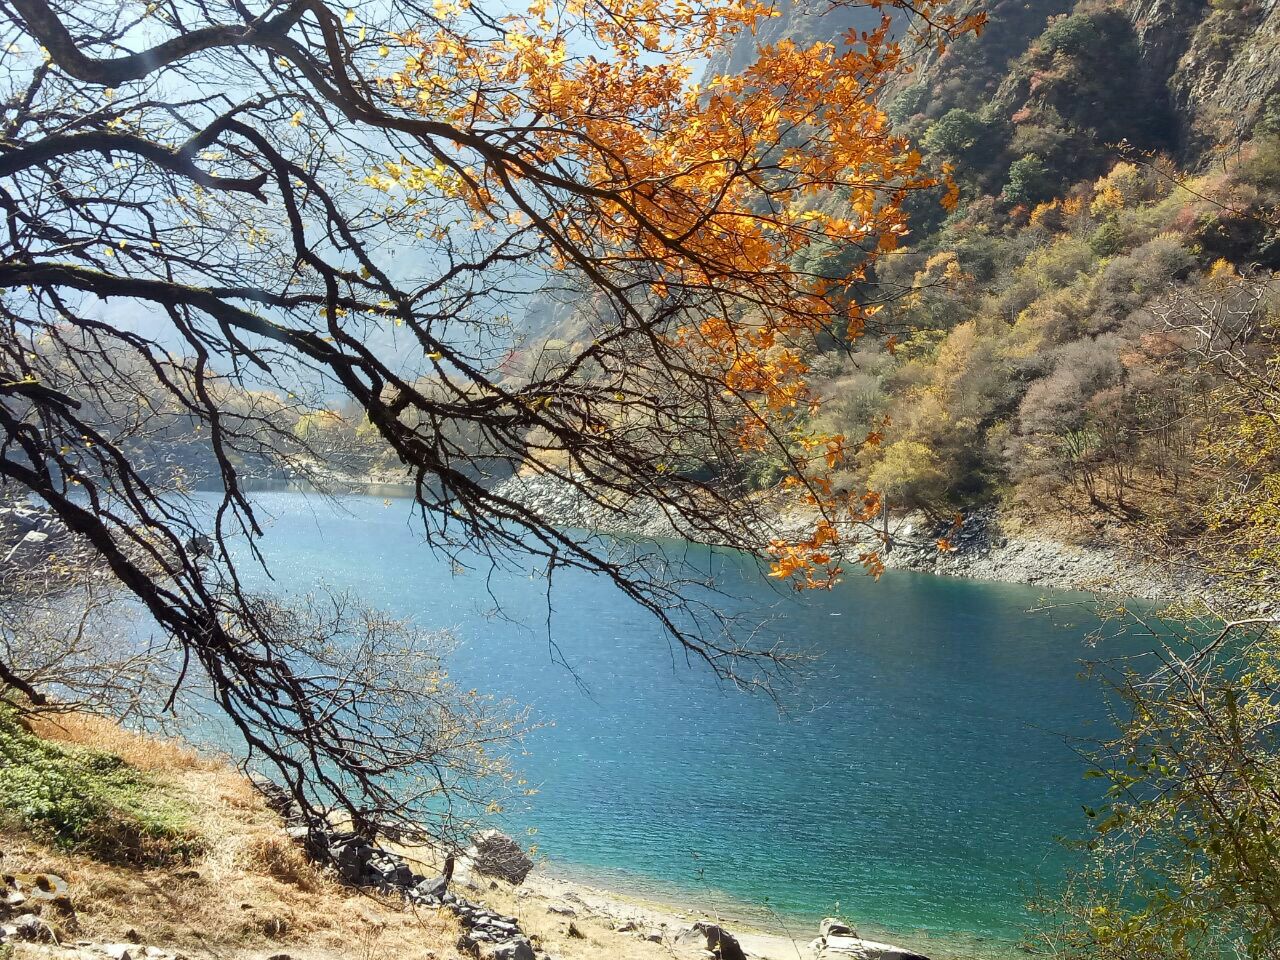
(1043, 356)
(1037, 344)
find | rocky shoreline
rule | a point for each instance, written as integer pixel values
(628, 927)
(532, 915)
(513, 914)
(485, 900)
(985, 546)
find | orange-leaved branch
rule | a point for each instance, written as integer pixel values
(692, 206)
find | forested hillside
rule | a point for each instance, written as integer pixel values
(1054, 344)
(1120, 170)
(1053, 302)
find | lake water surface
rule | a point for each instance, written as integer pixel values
(916, 783)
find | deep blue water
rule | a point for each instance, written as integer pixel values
(918, 778)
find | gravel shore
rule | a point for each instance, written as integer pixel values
(624, 926)
(986, 546)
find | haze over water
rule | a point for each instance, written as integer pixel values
(918, 779)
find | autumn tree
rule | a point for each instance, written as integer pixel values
(299, 200)
(1229, 330)
(1183, 861)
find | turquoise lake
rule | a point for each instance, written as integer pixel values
(916, 782)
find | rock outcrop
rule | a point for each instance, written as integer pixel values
(26, 530)
(1220, 64)
(714, 939)
(553, 498)
(361, 863)
(839, 941)
(983, 548)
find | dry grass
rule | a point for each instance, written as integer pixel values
(149, 754)
(251, 894)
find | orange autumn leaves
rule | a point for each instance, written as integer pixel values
(584, 118)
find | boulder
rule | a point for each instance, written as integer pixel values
(351, 857)
(714, 938)
(517, 948)
(834, 926)
(497, 855)
(277, 798)
(841, 947)
(386, 870)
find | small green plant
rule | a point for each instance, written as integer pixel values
(89, 802)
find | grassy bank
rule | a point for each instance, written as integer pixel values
(161, 846)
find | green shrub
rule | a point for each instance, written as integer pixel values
(1268, 122)
(908, 103)
(1108, 240)
(1029, 181)
(89, 802)
(1076, 36)
(954, 134)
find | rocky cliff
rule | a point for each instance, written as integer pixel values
(1215, 64)
(1220, 63)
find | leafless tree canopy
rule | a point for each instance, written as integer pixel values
(188, 247)
(195, 254)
